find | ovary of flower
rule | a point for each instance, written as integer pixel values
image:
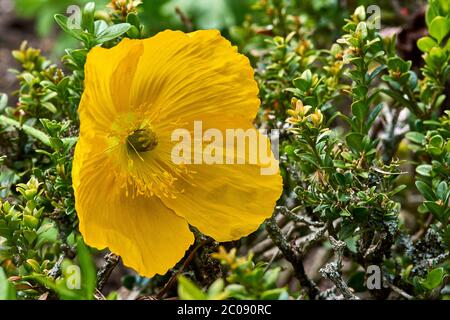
(249, 146)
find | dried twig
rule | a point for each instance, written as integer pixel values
(332, 270)
(184, 19)
(111, 261)
(298, 218)
(186, 263)
(277, 251)
(56, 270)
(399, 291)
(307, 242)
(267, 244)
(292, 254)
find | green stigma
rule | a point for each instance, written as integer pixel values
(142, 140)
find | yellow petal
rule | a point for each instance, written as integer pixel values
(228, 201)
(195, 76)
(148, 236)
(107, 91)
(201, 77)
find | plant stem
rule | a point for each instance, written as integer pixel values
(293, 256)
(111, 261)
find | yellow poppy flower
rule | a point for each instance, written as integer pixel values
(129, 194)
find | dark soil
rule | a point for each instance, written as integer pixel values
(14, 30)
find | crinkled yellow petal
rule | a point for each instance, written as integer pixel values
(225, 201)
(107, 89)
(195, 76)
(148, 236)
(201, 77)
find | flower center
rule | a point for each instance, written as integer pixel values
(142, 140)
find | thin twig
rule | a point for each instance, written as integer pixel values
(186, 263)
(277, 251)
(267, 244)
(297, 218)
(56, 270)
(438, 260)
(111, 261)
(307, 242)
(184, 19)
(291, 253)
(399, 291)
(422, 230)
(333, 272)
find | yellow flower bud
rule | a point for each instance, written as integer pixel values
(317, 118)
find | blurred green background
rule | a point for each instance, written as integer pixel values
(323, 15)
(238, 20)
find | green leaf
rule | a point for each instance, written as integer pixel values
(415, 137)
(56, 143)
(271, 277)
(425, 190)
(424, 170)
(433, 10)
(362, 30)
(273, 294)
(374, 114)
(133, 33)
(397, 190)
(354, 141)
(237, 291)
(304, 81)
(340, 178)
(59, 287)
(216, 288)
(442, 191)
(437, 211)
(347, 230)
(37, 134)
(88, 273)
(49, 106)
(47, 233)
(360, 13)
(434, 279)
(87, 21)
(61, 20)
(187, 290)
(397, 96)
(437, 141)
(99, 27)
(7, 289)
(348, 177)
(352, 244)
(376, 72)
(436, 57)
(360, 110)
(425, 44)
(3, 101)
(439, 28)
(113, 32)
(398, 64)
(133, 19)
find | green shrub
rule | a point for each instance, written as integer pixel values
(364, 155)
